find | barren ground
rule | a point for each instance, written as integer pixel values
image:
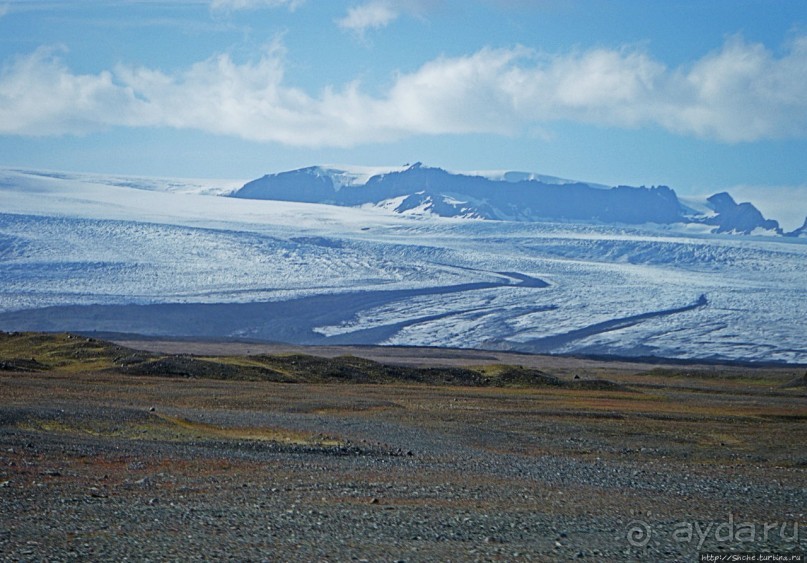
(682, 459)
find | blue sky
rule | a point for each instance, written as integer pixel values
(698, 95)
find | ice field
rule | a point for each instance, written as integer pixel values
(151, 256)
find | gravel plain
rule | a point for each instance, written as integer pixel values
(103, 466)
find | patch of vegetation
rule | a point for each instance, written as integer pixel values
(22, 364)
(155, 426)
(261, 434)
(505, 375)
(758, 376)
(31, 352)
(314, 369)
(199, 368)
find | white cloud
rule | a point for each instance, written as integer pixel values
(377, 14)
(4, 8)
(40, 96)
(371, 15)
(742, 92)
(234, 5)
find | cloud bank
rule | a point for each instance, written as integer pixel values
(741, 92)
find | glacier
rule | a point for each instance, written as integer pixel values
(108, 254)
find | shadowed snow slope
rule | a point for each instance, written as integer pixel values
(88, 253)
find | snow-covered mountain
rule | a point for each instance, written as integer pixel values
(157, 257)
(801, 231)
(512, 196)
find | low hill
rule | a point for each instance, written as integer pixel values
(63, 352)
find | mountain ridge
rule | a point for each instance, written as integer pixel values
(510, 196)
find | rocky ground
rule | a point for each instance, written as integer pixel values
(97, 465)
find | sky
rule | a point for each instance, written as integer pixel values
(702, 96)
